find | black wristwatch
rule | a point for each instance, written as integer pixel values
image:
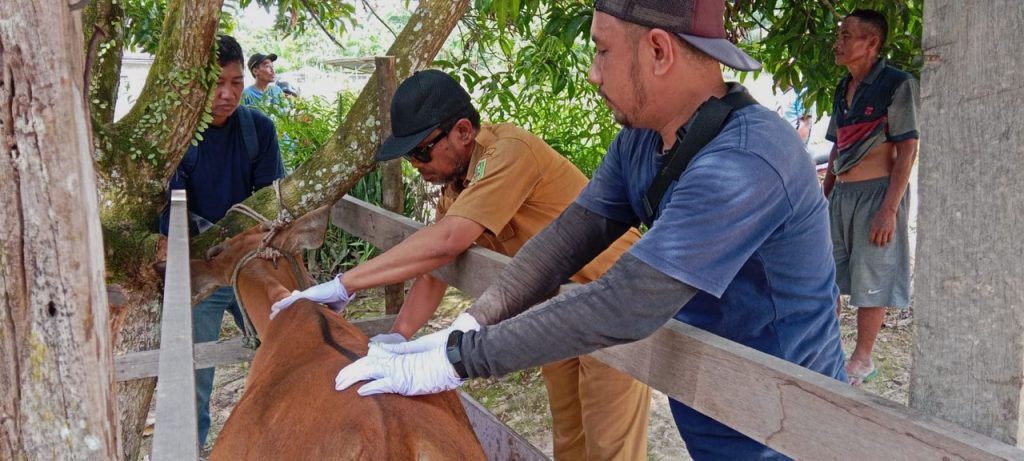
(454, 351)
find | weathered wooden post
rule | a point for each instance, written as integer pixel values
(56, 375)
(968, 347)
(392, 191)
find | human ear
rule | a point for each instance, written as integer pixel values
(663, 50)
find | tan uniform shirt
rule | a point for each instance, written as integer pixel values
(515, 185)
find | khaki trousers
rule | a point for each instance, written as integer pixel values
(597, 412)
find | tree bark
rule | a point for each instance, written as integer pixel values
(392, 191)
(56, 399)
(968, 350)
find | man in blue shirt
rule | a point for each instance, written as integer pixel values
(739, 245)
(237, 156)
(263, 91)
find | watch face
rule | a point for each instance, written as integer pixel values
(453, 340)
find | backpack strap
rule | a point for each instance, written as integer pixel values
(710, 117)
(252, 143)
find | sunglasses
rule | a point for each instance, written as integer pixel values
(422, 153)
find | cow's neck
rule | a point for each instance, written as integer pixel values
(260, 284)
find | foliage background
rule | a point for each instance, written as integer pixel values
(526, 62)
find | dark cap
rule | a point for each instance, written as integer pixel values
(700, 22)
(258, 59)
(421, 104)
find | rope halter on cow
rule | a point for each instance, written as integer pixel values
(266, 251)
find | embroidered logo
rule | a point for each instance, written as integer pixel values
(869, 110)
(479, 174)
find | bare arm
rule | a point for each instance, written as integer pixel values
(883, 225)
(426, 250)
(830, 178)
(421, 303)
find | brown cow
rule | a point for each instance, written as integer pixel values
(290, 410)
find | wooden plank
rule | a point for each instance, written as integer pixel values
(392, 190)
(216, 353)
(787, 407)
(177, 437)
(499, 441)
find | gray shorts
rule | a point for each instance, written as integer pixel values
(873, 276)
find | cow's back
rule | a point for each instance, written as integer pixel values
(290, 409)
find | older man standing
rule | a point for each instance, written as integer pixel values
(874, 128)
(738, 245)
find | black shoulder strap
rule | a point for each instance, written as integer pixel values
(252, 143)
(706, 126)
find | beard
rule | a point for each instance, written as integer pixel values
(622, 117)
(457, 175)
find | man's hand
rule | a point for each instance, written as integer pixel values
(883, 227)
(464, 322)
(331, 293)
(418, 373)
(388, 338)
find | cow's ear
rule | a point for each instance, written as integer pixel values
(307, 232)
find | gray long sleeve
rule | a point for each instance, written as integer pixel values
(547, 260)
(630, 302)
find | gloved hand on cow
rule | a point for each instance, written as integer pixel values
(388, 338)
(464, 322)
(409, 368)
(332, 293)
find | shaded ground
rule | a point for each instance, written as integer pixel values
(520, 401)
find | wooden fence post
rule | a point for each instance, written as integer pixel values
(968, 350)
(392, 190)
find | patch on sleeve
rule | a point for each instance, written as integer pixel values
(479, 173)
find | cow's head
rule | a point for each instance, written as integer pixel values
(217, 268)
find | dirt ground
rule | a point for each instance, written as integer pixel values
(519, 399)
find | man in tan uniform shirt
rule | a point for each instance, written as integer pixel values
(501, 185)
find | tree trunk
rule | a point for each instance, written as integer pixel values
(391, 189)
(969, 301)
(56, 399)
(348, 156)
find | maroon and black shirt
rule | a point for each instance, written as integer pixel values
(884, 109)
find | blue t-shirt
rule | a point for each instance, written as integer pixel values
(747, 225)
(252, 95)
(219, 172)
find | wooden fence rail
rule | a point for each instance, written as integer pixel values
(789, 408)
(178, 437)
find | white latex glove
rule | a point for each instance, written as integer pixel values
(388, 338)
(420, 373)
(464, 322)
(332, 293)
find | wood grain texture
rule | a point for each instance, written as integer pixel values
(56, 383)
(968, 349)
(177, 438)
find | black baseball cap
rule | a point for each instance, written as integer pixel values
(421, 104)
(258, 59)
(700, 22)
